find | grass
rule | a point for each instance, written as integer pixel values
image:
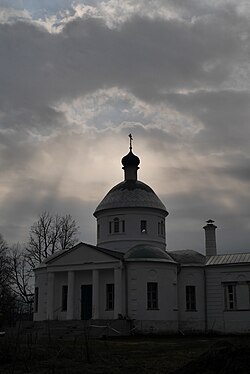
(48, 355)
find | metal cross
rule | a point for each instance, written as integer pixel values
(130, 141)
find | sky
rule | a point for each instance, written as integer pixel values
(76, 77)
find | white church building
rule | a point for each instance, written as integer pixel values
(131, 275)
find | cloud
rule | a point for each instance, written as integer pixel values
(145, 56)
(76, 79)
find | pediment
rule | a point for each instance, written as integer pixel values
(81, 254)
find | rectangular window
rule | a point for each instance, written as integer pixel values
(230, 297)
(152, 295)
(36, 300)
(123, 226)
(143, 226)
(190, 298)
(98, 231)
(64, 298)
(110, 296)
(110, 227)
(161, 228)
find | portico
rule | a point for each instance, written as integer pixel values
(66, 296)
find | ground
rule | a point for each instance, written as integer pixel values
(30, 353)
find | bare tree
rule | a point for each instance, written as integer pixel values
(6, 295)
(49, 234)
(4, 264)
(21, 274)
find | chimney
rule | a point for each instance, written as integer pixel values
(210, 238)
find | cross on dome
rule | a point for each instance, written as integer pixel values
(130, 141)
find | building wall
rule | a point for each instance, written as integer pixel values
(165, 318)
(132, 235)
(191, 320)
(171, 314)
(61, 279)
(220, 319)
(41, 284)
(106, 277)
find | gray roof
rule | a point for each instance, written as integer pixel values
(147, 252)
(131, 194)
(235, 258)
(188, 256)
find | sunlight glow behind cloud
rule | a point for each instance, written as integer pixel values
(78, 77)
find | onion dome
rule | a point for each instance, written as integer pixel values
(130, 160)
(147, 252)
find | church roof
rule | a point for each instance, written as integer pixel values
(235, 258)
(130, 194)
(57, 254)
(187, 257)
(147, 252)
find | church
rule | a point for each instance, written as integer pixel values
(130, 275)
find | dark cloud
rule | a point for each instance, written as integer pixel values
(191, 123)
(224, 114)
(188, 213)
(146, 56)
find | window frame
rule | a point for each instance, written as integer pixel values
(144, 229)
(190, 298)
(161, 228)
(117, 225)
(152, 296)
(230, 297)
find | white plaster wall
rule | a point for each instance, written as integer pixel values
(41, 281)
(191, 321)
(61, 279)
(132, 235)
(219, 319)
(165, 274)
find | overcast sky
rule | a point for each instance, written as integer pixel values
(76, 77)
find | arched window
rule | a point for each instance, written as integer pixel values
(116, 226)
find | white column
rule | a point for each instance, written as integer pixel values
(70, 298)
(118, 292)
(95, 279)
(50, 296)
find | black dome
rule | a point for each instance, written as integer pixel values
(130, 160)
